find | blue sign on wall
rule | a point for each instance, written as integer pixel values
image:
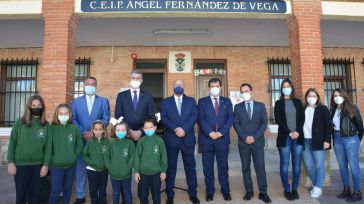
(235, 6)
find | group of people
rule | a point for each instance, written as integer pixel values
(77, 143)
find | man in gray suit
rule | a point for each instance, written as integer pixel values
(250, 123)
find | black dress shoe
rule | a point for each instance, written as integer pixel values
(227, 197)
(295, 195)
(209, 197)
(264, 197)
(169, 201)
(346, 193)
(194, 200)
(80, 201)
(356, 196)
(288, 195)
(248, 195)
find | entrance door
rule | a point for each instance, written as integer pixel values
(209, 69)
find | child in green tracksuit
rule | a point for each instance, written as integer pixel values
(26, 151)
(63, 148)
(93, 154)
(150, 163)
(119, 160)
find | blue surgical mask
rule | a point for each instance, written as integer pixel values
(90, 90)
(63, 119)
(287, 91)
(149, 132)
(120, 135)
(178, 90)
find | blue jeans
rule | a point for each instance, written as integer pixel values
(62, 180)
(347, 154)
(81, 178)
(284, 155)
(315, 164)
(123, 188)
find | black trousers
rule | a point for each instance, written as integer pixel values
(152, 182)
(246, 153)
(97, 182)
(27, 181)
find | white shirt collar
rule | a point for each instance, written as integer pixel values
(92, 97)
(176, 97)
(132, 91)
(213, 97)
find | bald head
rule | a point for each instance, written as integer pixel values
(178, 82)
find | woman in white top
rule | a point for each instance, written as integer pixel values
(317, 132)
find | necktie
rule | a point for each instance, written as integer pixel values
(249, 111)
(216, 107)
(216, 111)
(135, 100)
(179, 105)
(89, 105)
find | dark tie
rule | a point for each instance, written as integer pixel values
(249, 111)
(216, 111)
(135, 100)
(216, 107)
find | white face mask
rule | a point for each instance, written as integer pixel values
(135, 84)
(215, 91)
(246, 96)
(338, 100)
(63, 119)
(311, 100)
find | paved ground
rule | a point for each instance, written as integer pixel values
(7, 189)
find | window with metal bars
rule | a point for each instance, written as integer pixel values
(279, 69)
(18, 83)
(82, 71)
(338, 73)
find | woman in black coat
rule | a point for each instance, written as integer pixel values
(317, 132)
(289, 115)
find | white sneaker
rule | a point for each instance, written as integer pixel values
(313, 187)
(316, 192)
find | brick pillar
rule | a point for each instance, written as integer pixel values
(305, 45)
(306, 56)
(56, 74)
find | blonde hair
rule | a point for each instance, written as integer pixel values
(55, 116)
(99, 122)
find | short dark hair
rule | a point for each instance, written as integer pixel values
(214, 80)
(91, 77)
(248, 85)
(149, 119)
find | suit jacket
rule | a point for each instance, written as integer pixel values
(255, 126)
(321, 127)
(124, 107)
(207, 120)
(280, 117)
(100, 111)
(171, 120)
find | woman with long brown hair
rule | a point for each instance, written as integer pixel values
(348, 132)
(290, 117)
(26, 151)
(317, 132)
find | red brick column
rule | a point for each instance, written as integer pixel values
(305, 45)
(56, 74)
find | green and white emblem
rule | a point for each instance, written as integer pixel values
(125, 152)
(70, 138)
(155, 149)
(41, 134)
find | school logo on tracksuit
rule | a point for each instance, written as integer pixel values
(41, 134)
(125, 152)
(70, 138)
(103, 149)
(156, 149)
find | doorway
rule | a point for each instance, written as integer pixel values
(205, 69)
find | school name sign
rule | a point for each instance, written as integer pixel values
(235, 6)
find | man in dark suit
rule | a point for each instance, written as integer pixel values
(215, 120)
(250, 123)
(134, 105)
(179, 116)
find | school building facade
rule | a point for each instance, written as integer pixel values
(48, 47)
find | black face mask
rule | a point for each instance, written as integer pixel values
(36, 111)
